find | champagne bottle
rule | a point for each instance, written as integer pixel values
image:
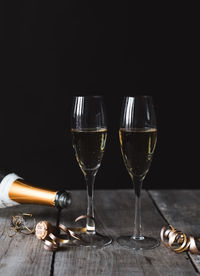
(14, 191)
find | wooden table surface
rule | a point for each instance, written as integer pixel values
(24, 254)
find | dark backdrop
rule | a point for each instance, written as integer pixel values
(52, 52)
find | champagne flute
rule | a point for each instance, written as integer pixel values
(89, 133)
(138, 136)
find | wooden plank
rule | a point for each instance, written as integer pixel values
(181, 208)
(24, 254)
(114, 215)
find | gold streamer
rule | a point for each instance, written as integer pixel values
(46, 232)
(178, 241)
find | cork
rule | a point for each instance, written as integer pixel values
(43, 229)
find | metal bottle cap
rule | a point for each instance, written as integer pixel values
(63, 199)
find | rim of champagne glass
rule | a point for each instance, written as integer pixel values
(88, 96)
(138, 96)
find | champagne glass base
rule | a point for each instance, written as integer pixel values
(144, 243)
(92, 240)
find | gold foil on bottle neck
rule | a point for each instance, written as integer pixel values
(23, 193)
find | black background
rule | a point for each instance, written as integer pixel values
(50, 52)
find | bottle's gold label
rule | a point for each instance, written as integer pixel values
(23, 193)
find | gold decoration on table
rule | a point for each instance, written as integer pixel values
(178, 241)
(21, 223)
(45, 231)
(51, 237)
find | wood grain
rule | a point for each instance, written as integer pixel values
(24, 254)
(114, 216)
(181, 208)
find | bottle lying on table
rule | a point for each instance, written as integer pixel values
(14, 191)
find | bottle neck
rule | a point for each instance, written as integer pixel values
(13, 191)
(23, 193)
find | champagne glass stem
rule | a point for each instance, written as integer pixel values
(90, 224)
(137, 182)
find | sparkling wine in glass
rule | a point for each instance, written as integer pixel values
(138, 136)
(89, 133)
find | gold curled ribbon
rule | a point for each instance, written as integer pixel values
(46, 232)
(50, 245)
(193, 246)
(178, 241)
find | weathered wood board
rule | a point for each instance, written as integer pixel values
(114, 216)
(181, 208)
(24, 254)
(114, 209)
